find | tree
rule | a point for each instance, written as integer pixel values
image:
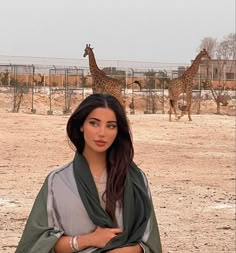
(151, 105)
(223, 51)
(163, 78)
(4, 78)
(39, 80)
(209, 44)
(19, 89)
(83, 80)
(226, 49)
(150, 79)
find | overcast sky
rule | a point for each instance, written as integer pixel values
(134, 30)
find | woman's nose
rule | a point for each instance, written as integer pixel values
(101, 131)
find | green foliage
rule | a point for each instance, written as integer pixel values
(163, 78)
(14, 82)
(150, 79)
(84, 81)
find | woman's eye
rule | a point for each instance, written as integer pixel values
(112, 126)
(93, 123)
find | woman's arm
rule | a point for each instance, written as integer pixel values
(129, 249)
(99, 238)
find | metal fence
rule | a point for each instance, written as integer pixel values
(63, 86)
(20, 78)
(67, 80)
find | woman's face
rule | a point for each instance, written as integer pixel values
(100, 130)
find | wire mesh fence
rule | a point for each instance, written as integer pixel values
(55, 89)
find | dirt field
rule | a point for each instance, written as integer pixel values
(190, 167)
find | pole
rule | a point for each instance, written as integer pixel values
(32, 107)
(49, 112)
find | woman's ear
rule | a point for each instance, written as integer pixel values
(81, 129)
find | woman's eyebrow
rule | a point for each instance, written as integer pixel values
(95, 119)
(112, 121)
(109, 121)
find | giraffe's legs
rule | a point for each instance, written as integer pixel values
(182, 113)
(188, 107)
(189, 112)
(172, 105)
(170, 112)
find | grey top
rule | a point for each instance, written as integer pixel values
(65, 209)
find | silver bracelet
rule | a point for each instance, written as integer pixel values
(72, 245)
(75, 243)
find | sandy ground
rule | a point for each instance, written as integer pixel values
(190, 167)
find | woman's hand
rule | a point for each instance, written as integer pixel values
(101, 236)
(129, 249)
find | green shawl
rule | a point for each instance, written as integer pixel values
(138, 214)
(137, 206)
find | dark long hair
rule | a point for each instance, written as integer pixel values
(120, 153)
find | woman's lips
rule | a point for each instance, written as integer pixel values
(100, 143)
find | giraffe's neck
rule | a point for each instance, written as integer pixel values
(192, 70)
(94, 69)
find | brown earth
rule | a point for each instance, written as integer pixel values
(190, 167)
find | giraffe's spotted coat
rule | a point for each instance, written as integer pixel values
(184, 84)
(101, 82)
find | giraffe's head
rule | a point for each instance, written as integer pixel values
(204, 54)
(87, 50)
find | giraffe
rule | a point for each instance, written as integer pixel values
(101, 82)
(184, 84)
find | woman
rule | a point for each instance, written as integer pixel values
(100, 202)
